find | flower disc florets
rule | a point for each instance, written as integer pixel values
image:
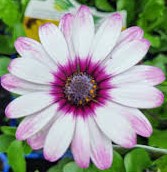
(80, 88)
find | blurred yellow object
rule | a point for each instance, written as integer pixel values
(32, 25)
(39, 12)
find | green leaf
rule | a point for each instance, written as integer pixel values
(103, 5)
(18, 30)
(4, 62)
(72, 167)
(10, 12)
(5, 142)
(137, 160)
(118, 163)
(160, 61)
(158, 139)
(26, 148)
(16, 156)
(152, 15)
(160, 165)
(8, 130)
(62, 5)
(129, 6)
(6, 47)
(59, 167)
(154, 40)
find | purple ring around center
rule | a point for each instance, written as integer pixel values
(94, 69)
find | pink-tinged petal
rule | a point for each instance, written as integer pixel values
(101, 147)
(20, 86)
(106, 36)
(28, 104)
(37, 140)
(127, 55)
(139, 122)
(54, 42)
(30, 48)
(140, 74)
(30, 70)
(34, 123)
(130, 34)
(66, 26)
(137, 96)
(59, 137)
(115, 126)
(83, 31)
(81, 144)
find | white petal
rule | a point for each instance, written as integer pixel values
(28, 104)
(59, 137)
(101, 147)
(81, 144)
(37, 140)
(34, 123)
(83, 32)
(20, 86)
(138, 96)
(130, 34)
(30, 48)
(115, 126)
(106, 36)
(139, 122)
(54, 42)
(140, 74)
(136, 118)
(127, 55)
(30, 70)
(66, 26)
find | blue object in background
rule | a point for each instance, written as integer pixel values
(13, 56)
(4, 160)
(13, 123)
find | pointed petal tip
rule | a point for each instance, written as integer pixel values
(130, 143)
(160, 75)
(160, 99)
(105, 165)
(146, 42)
(18, 135)
(33, 146)
(46, 28)
(116, 16)
(138, 31)
(82, 164)
(84, 8)
(147, 133)
(8, 113)
(4, 81)
(157, 74)
(49, 157)
(67, 16)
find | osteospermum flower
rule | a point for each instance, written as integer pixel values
(81, 89)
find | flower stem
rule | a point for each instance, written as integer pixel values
(152, 150)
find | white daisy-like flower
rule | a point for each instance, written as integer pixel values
(81, 89)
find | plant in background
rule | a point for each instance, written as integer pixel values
(151, 16)
(83, 88)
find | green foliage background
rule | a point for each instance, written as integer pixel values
(151, 16)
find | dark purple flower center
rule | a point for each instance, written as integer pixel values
(80, 88)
